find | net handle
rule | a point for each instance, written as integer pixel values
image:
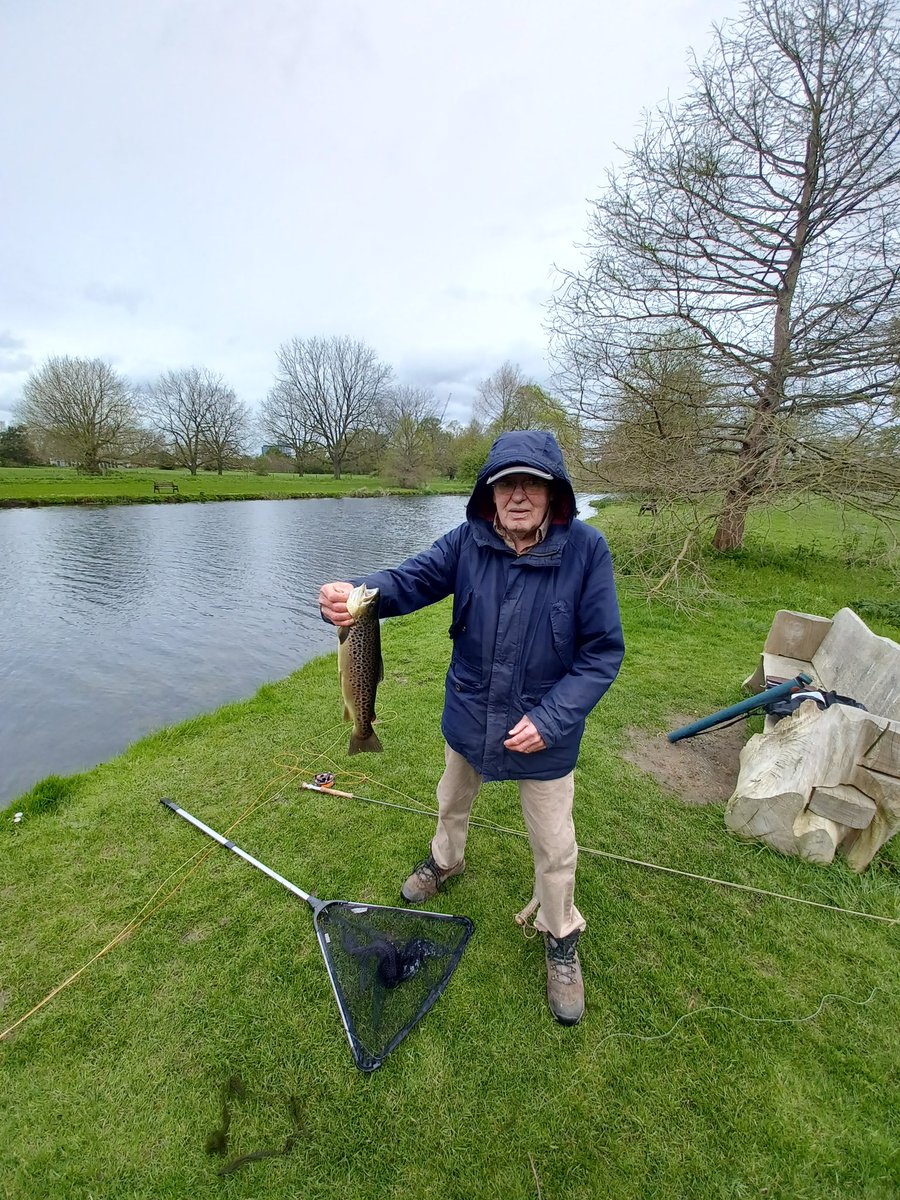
(248, 858)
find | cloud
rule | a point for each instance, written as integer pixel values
(13, 358)
(15, 364)
(237, 175)
(114, 295)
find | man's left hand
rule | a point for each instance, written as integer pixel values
(524, 738)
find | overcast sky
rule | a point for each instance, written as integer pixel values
(194, 182)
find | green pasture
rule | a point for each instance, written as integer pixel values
(64, 485)
(735, 1044)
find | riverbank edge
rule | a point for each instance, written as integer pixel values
(206, 497)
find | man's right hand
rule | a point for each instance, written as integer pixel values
(333, 602)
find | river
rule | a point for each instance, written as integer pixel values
(116, 621)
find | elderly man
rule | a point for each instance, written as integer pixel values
(537, 640)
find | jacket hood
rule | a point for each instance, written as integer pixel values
(526, 448)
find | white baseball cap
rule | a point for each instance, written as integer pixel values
(521, 469)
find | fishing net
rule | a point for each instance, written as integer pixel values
(387, 967)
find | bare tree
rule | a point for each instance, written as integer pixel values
(336, 387)
(181, 406)
(147, 447)
(660, 435)
(410, 414)
(226, 430)
(81, 409)
(500, 399)
(511, 401)
(759, 218)
(285, 422)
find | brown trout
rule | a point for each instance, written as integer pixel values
(360, 667)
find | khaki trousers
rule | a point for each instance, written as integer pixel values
(547, 809)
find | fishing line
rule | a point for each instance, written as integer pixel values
(695, 1012)
(522, 917)
(288, 774)
(290, 767)
(146, 912)
(634, 862)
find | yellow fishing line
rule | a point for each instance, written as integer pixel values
(149, 908)
(294, 765)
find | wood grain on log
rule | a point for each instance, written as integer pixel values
(845, 804)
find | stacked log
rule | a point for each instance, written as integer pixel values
(819, 780)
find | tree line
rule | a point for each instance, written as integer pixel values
(333, 405)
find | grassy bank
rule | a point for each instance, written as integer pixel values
(112, 1089)
(37, 486)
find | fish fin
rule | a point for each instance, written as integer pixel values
(380, 670)
(348, 713)
(370, 745)
(343, 632)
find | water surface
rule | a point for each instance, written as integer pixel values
(116, 621)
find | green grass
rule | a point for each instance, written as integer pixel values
(63, 485)
(113, 1087)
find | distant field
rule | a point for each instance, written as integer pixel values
(800, 530)
(63, 485)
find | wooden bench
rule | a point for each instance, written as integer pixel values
(164, 487)
(823, 778)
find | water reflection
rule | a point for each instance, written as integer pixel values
(97, 559)
(117, 621)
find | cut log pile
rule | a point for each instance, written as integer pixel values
(825, 778)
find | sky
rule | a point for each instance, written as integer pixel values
(196, 182)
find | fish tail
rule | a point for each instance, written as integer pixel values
(366, 745)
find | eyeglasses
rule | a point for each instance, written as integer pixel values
(529, 485)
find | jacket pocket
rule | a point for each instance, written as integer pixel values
(463, 677)
(461, 606)
(562, 624)
(467, 647)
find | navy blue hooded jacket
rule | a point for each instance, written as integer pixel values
(535, 634)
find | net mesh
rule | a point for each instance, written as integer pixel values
(387, 966)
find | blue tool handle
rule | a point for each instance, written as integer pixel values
(743, 706)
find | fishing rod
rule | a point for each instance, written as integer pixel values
(760, 700)
(328, 789)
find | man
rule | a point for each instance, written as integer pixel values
(537, 640)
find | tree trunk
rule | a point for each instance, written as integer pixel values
(730, 530)
(739, 498)
(758, 457)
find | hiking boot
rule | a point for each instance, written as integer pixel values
(427, 879)
(565, 987)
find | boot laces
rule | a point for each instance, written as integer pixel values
(562, 958)
(427, 871)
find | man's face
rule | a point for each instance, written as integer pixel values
(522, 503)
